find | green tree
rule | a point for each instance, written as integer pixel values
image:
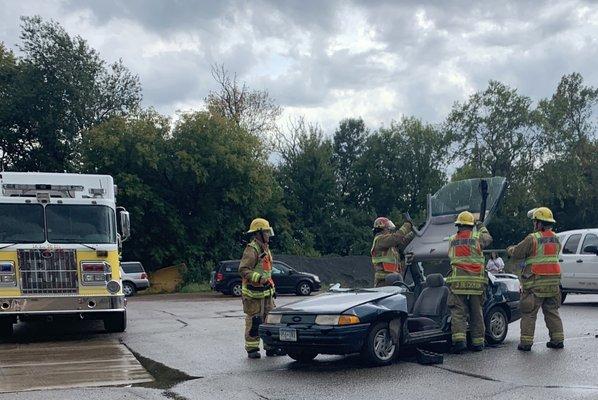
(307, 179)
(400, 166)
(58, 88)
(567, 180)
(495, 136)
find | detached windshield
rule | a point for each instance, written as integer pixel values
(80, 224)
(465, 196)
(21, 223)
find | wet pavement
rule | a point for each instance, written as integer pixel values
(193, 347)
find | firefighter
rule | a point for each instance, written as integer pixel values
(467, 281)
(540, 280)
(385, 248)
(257, 285)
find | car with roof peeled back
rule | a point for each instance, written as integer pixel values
(375, 322)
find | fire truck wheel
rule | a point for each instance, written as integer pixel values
(116, 322)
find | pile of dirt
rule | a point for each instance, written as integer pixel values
(351, 271)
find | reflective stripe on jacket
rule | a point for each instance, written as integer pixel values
(467, 263)
(545, 276)
(251, 287)
(385, 260)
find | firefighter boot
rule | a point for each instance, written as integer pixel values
(555, 345)
(254, 354)
(524, 347)
(459, 347)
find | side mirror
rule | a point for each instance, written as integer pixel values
(591, 249)
(125, 225)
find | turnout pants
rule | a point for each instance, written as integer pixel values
(463, 308)
(255, 308)
(530, 305)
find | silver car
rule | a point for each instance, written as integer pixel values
(134, 277)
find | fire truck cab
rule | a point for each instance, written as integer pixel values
(60, 237)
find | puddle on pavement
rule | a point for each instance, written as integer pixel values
(73, 364)
(164, 376)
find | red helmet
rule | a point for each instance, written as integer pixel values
(383, 223)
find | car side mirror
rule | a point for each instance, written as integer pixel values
(291, 272)
(591, 249)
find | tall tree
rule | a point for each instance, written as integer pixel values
(567, 179)
(348, 146)
(495, 136)
(307, 179)
(253, 110)
(59, 87)
(400, 166)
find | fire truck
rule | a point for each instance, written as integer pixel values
(60, 240)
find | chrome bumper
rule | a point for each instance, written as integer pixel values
(61, 304)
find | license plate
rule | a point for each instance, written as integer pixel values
(288, 335)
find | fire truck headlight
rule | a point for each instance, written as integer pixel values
(88, 277)
(113, 287)
(8, 279)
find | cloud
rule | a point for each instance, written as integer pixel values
(378, 59)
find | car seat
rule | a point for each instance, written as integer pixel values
(431, 305)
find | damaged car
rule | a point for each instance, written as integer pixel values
(376, 322)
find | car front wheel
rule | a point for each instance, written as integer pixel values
(497, 325)
(236, 289)
(129, 289)
(302, 356)
(379, 348)
(304, 288)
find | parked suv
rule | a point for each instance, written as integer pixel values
(134, 277)
(579, 261)
(226, 279)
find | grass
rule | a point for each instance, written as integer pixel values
(196, 287)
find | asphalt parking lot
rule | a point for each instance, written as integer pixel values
(193, 347)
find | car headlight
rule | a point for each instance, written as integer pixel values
(316, 278)
(336, 319)
(273, 318)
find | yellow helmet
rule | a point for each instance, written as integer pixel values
(465, 218)
(260, 224)
(543, 214)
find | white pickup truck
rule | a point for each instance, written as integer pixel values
(579, 261)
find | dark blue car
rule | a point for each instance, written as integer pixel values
(376, 321)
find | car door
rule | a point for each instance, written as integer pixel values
(587, 263)
(281, 277)
(568, 260)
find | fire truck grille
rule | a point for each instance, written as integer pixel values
(48, 271)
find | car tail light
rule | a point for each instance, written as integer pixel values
(143, 275)
(219, 277)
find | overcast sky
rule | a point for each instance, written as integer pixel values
(329, 60)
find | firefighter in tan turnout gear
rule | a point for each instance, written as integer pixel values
(385, 248)
(540, 280)
(257, 285)
(467, 281)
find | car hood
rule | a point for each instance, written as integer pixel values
(335, 303)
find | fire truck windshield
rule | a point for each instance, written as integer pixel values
(21, 223)
(67, 223)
